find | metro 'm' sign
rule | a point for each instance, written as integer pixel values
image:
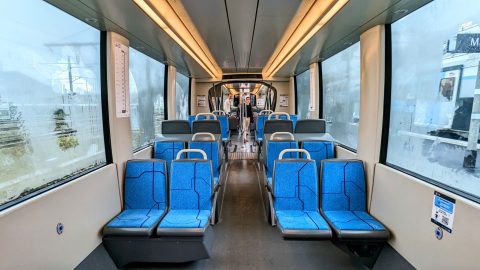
(468, 43)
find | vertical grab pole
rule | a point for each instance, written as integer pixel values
(470, 158)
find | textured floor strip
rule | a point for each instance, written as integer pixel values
(242, 155)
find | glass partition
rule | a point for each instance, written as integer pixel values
(182, 92)
(341, 95)
(303, 94)
(147, 79)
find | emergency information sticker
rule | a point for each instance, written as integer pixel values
(443, 211)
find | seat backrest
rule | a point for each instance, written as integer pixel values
(260, 125)
(175, 127)
(272, 126)
(310, 126)
(319, 150)
(293, 118)
(273, 149)
(342, 185)
(167, 150)
(145, 184)
(295, 185)
(212, 126)
(191, 184)
(212, 149)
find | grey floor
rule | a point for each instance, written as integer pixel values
(244, 240)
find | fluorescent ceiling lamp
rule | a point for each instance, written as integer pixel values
(172, 18)
(306, 23)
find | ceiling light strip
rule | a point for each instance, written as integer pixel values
(182, 15)
(187, 42)
(311, 23)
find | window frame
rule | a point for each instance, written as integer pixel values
(387, 101)
(106, 131)
(320, 91)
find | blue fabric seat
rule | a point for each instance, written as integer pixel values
(212, 149)
(167, 150)
(273, 149)
(343, 201)
(191, 189)
(295, 199)
(144, 199)
(224, 126)
(319, 150)
(259, 128)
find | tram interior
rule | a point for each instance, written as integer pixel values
(255, 134)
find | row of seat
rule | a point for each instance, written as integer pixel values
(152, 200)
(283, 122)
(162, 211)
(216, 122)
(305, 207)
(319, 150)
(168, 149)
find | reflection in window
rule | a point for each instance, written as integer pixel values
(182, 91)
(50, 106)
(434, 75)
(303, 94)
(341, 95)
(147, 78)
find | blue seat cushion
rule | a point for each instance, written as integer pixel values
(139, 222)
(301, 220)
(356, 225)
(353, 220)
(185, 219)
(215, 180)
(269, 181)
(302, 224)
(360, 225)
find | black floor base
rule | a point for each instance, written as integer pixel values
(126, 250)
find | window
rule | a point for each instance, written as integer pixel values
(303, 94)
(434, 75)
(341, 95)
(147, 79)
(182, 88)
(50, 101)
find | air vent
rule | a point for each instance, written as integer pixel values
(240, 76)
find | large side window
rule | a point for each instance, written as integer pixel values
(181, 96)
(435, 73)
(147, 79)
(50, 100)
(341, 95)
(303, 94)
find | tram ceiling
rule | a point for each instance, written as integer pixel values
(241, 35)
